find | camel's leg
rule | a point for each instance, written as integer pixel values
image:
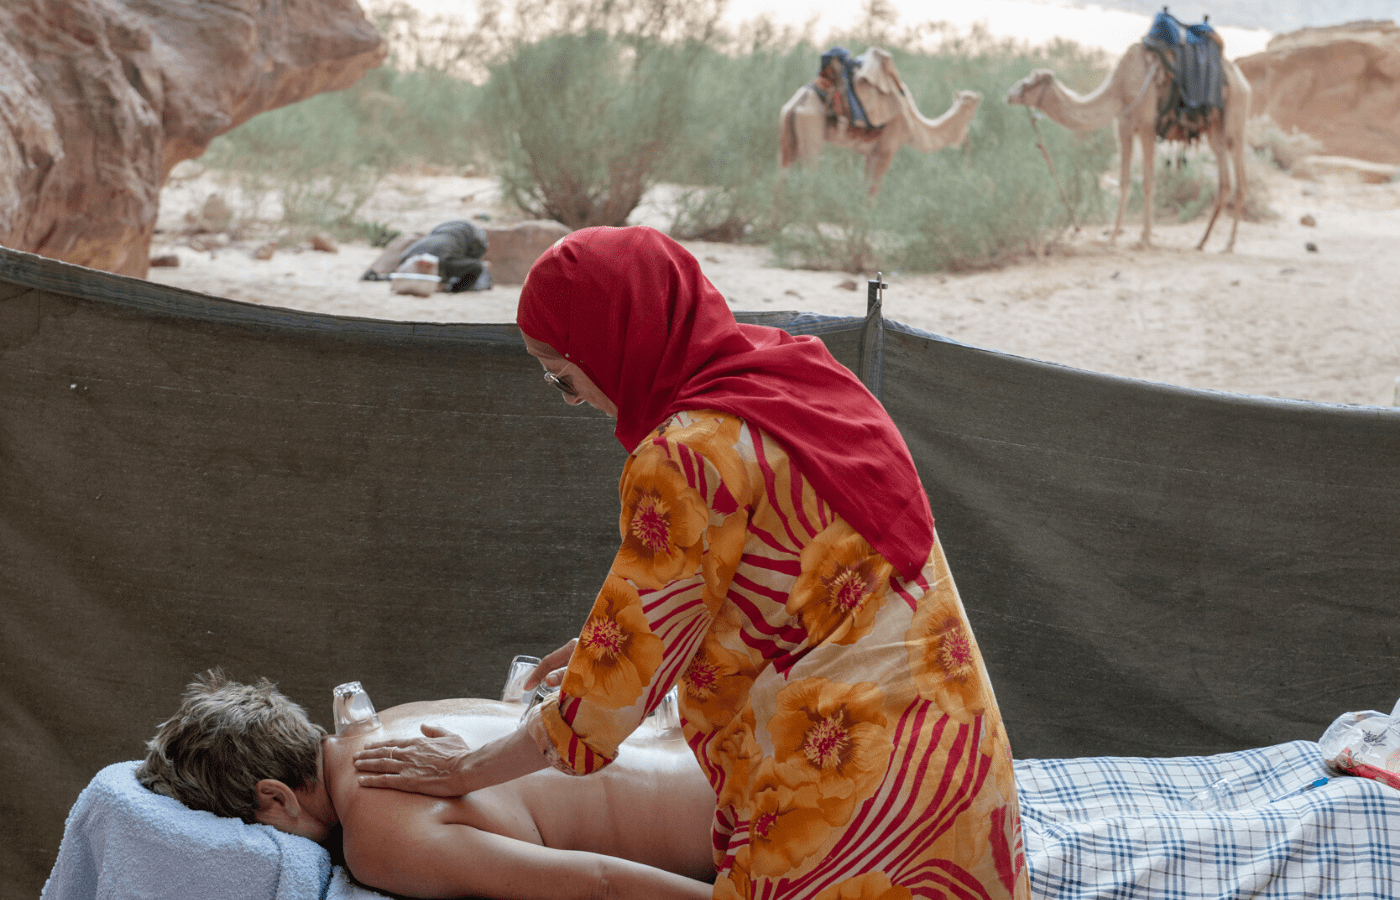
(1149, 182)
(1222, 166)
(1241, 190)
(877, 163)
(810, 133)
(1125, 174)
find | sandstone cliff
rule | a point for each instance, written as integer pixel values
(1339, 84)
(99, 99)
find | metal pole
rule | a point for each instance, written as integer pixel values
(873, 292)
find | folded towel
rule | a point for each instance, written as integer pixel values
(343, 887)
(122, 841)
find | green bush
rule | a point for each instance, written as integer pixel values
(322, 160)
(583, 123)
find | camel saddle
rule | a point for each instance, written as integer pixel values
(835, 84)
(1194, 56)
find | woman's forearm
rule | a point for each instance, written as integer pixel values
(441, 764)
(504, 759)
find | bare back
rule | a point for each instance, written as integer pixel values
(652, 805)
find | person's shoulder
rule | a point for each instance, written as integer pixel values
(470, 708)
(721, 439)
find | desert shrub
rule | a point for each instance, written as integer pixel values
(1187, 180)
(585, 117)
(822, 220)
(583, 122)
(318, 163)
(729, 146)
(1281, 148)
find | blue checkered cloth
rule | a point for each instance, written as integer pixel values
(1120, 828)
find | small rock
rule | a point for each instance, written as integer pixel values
(214, 215)
(1235, 283)
(848, 284)
(791, 293)
(1308, 220)
(512, 249)
(265, 251)
(185, 168)
(324, 243)
(1311, 247)
(165, 261)
(213, 241)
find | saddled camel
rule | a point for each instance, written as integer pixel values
(806, 125)
(1131, 96)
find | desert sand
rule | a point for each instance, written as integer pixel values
(1272, 319)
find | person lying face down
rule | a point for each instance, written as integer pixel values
(248, 752)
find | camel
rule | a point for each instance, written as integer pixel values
(805, 125)
(1131, 96)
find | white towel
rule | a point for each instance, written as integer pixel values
(343, 887)
(123, 842)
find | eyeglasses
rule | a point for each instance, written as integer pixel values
(560, 383)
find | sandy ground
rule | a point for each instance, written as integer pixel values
(1272, 318)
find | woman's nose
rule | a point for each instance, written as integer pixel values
(573, 399)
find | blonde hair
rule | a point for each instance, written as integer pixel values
(224, 739)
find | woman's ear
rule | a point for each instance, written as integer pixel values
(278, 805)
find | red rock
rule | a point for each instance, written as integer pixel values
(1339, 84)
(512, 249)
(99, 99)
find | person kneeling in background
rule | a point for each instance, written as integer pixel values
(458, 247)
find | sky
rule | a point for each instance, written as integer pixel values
(1033, 21)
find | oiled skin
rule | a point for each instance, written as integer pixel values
(651, 806)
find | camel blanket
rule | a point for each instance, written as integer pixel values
(1195, 58)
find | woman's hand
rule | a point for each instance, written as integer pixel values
(551, 669)
(433, 764)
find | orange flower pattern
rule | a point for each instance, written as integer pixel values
(943, 656)
(842, 585)
(663, 518)
(870, 886)
(617, 653)
(842, 714)
(833, 735)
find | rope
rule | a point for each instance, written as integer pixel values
(1040, 142)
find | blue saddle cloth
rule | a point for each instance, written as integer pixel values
(1194, 57)
(847, 84)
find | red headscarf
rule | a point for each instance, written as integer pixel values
(631, 308)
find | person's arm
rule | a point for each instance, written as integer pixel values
(685, 511)
(442, 764)
(683, 529)
(416, 857)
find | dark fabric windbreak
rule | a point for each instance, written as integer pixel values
(188, 482)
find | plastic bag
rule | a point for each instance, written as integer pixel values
(1365, 743)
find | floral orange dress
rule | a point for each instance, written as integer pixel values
(842, 714)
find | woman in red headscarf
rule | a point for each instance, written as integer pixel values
(779, 564)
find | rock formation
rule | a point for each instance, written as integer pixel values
(1339, 84)
(99, 99)
(514, 248)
